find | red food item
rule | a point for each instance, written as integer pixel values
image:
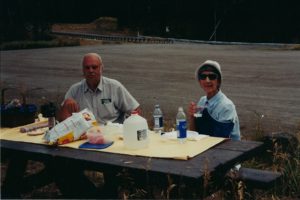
(95, 136)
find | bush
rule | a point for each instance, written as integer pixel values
(39, 44)
(106, 24)
(296, 47)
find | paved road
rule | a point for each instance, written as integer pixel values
(260, 80)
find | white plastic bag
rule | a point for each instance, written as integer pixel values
(71, 129)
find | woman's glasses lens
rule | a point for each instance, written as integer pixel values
(210, 76)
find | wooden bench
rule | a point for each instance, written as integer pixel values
(258, 179)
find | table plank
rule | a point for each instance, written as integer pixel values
(243, 145)
(221, 157)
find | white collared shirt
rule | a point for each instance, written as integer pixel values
(109, 102)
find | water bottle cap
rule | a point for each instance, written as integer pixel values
(157, 106)
(180, 109)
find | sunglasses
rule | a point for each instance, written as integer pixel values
(210, 76)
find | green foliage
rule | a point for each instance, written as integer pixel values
(290, 166)
(296, 47)
(38, 44)
(284, 161)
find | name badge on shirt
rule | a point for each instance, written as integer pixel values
(105, 101)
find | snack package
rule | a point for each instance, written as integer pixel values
(71, 129)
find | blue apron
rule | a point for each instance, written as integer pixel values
(209, 126)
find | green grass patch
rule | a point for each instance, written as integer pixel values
(39, 44)
(296, 47)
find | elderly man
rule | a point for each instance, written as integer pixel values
(107, 98)
(214, 113)
(109, 101)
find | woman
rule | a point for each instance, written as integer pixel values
(214, 114)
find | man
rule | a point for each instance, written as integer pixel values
(214, 113)
(107, 98)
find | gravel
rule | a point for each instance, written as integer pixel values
(262, 81)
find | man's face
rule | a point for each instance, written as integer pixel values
(209, 82)
(92, 69)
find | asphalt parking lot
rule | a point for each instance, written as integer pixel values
(262, 81)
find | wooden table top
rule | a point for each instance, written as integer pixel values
(221, 157)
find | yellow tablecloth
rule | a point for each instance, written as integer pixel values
(158, 147)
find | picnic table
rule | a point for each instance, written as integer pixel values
(212, 164)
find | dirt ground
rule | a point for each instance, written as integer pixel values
(262, 81)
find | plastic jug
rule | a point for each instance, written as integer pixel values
(135, 132)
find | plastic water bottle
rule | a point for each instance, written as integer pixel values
(158, 120)
(181, 125)
(135, 132)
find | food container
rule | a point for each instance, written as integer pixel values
(16, 113)
(135, 132)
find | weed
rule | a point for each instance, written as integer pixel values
(259, 132)
(281, 159)
(207, 177)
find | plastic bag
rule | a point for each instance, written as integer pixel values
(71, 129)
(96, 136)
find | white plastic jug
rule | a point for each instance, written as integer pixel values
(135, 132)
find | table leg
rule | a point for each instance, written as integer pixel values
(70, 179)
(111, 184)
(12, 184)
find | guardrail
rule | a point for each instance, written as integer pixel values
(138, 39)
(231, 43)
(150, 39)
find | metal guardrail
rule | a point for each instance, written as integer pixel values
(150, 39)
(232, 43)
(138, 39)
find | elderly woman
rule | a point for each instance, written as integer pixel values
(214, 114)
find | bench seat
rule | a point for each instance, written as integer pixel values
(256, 178)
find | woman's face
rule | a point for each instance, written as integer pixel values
(209, 83)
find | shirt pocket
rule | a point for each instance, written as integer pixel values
(108, 109)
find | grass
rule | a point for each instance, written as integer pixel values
(295, 47)
(27, 44)
(280, 157)
(288, 165)
(58, 41)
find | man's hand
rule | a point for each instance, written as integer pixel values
(69, 106)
